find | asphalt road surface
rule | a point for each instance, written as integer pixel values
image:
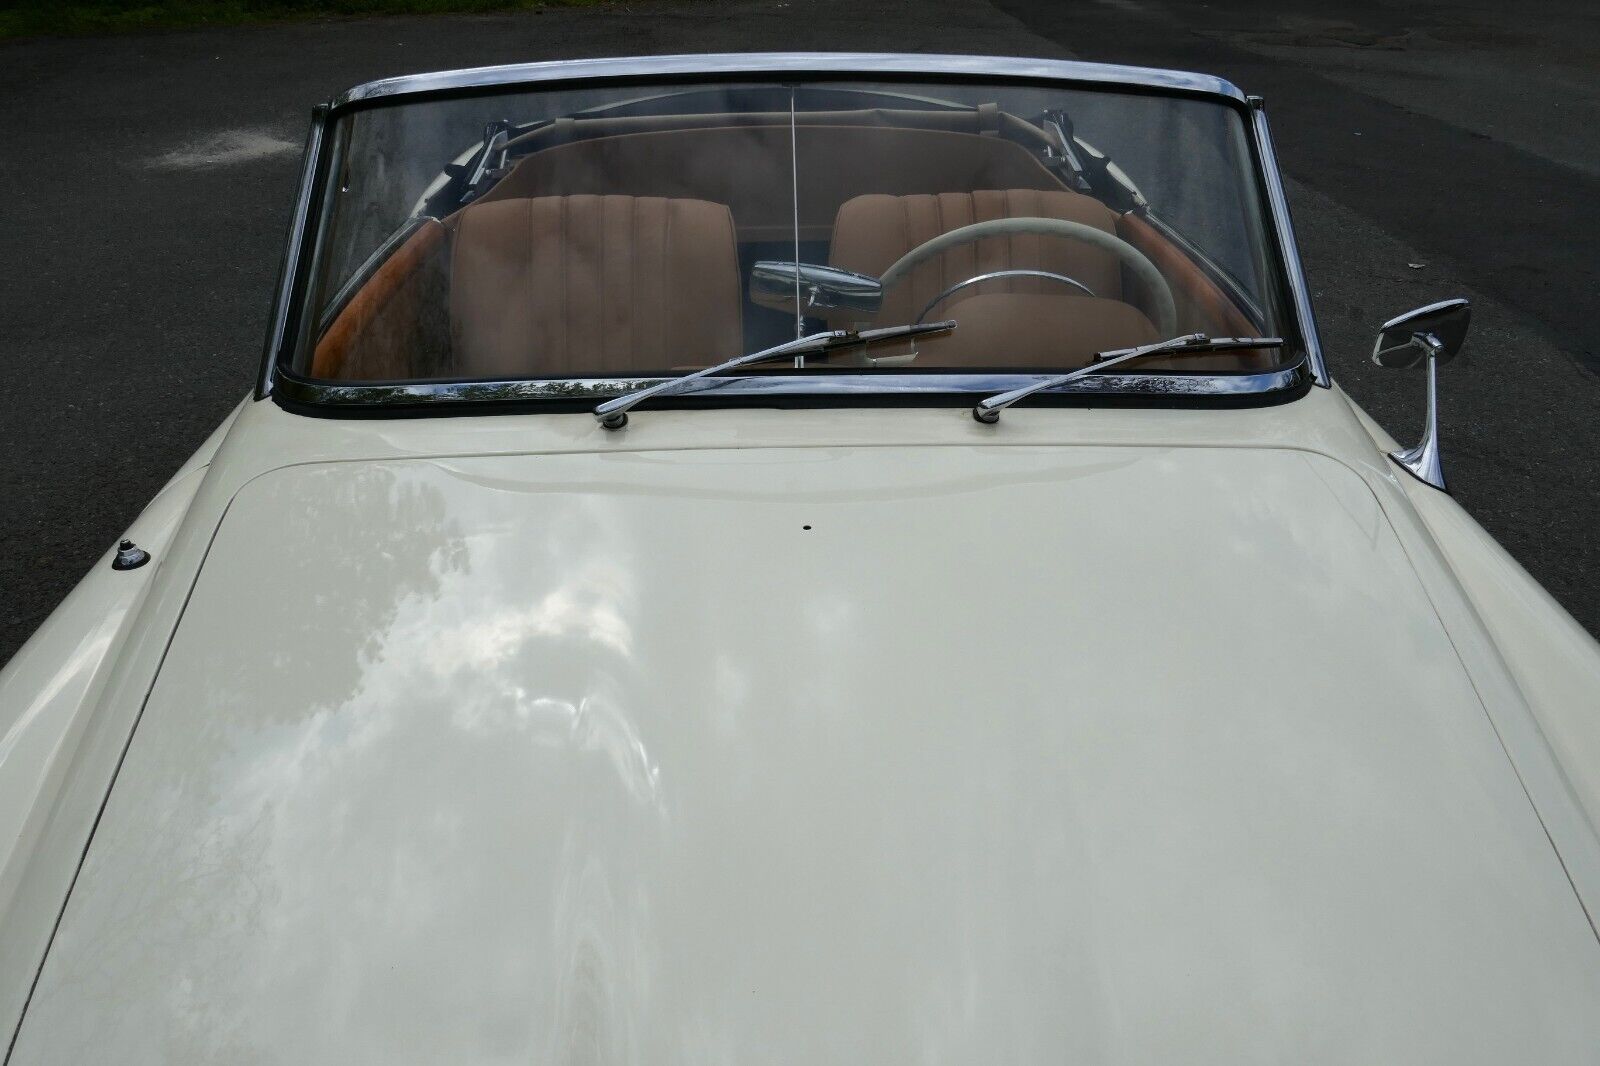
(1432, 149)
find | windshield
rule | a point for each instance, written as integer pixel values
(616, 234)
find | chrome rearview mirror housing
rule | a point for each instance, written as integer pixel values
(820, 288)
(1437, 330)
(1434, 334)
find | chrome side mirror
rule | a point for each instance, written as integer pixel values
(820, 288)
(1433, 333)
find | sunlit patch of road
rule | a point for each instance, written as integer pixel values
(224, 148)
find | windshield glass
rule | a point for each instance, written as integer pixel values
(619, 233)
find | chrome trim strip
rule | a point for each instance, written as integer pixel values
(1278, 204)
(790, 63)
(373, 397)
(794, 200)
(293, 251)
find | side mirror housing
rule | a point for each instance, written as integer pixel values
(820, 288)
(1433, 334)
(1437, 331)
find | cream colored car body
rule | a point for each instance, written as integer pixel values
(804, 736)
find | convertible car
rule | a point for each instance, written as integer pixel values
(807, 559)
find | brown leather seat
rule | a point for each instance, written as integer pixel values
(1006, 322)
(577, 285)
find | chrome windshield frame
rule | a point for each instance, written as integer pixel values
(1283, 231)
(289, 311)
(292, 267)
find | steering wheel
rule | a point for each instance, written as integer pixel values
(1142, 268)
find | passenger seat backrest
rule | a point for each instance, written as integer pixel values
(554, 286)
(873, 231)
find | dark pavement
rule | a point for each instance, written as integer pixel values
(148, 182)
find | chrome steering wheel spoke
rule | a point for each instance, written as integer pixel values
(1047, 275)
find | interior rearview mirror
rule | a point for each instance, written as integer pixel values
(820, 288)
(1437, 330)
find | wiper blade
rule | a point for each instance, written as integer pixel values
(613, 414)
(988, 410)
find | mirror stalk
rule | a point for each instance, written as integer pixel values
(1422, 460)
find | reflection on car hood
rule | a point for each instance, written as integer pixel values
(875, 755)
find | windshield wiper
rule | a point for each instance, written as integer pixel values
(988, 410)
(613, 414)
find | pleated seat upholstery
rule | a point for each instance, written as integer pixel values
(553, 286)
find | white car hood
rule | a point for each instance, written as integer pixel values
(816, 756)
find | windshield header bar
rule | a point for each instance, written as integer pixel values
(791, 63)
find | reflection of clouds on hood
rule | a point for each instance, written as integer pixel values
(337, 838)
(589, 726)
(460, 719)
(587, 613)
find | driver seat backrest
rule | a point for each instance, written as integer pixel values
(551, 286)
(871, 232)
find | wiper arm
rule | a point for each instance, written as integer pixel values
(988, 410)
(613, 414)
